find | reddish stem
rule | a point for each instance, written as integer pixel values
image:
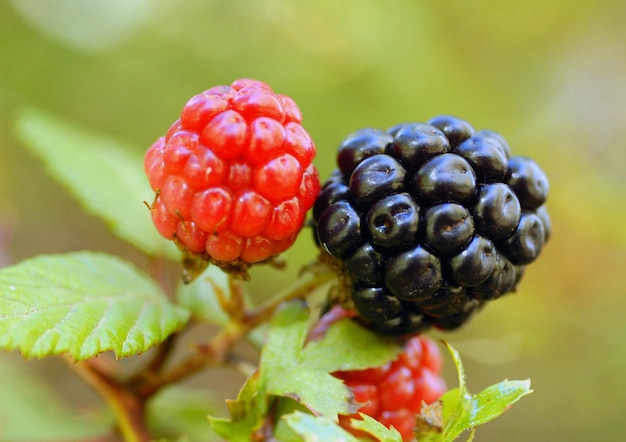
(128, 408)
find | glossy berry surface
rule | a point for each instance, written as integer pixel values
(393, 394)
(233, 176)
(430, 221)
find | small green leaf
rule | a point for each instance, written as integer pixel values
(282, 370)
(288, 330)
(182, 438)
(102, 174)
(450, 398)
(496, 399)
(317, 428)
(462, 411)
(303, 374)
(199, 296)
(320, 392)
(348, 346)
(291, 369)
(376, 429)
(457, 406)
(82, 304)
(282, 406)
(246, 413)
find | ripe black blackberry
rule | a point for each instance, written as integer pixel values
(430, 222)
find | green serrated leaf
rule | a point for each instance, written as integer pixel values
(83, 304)
(348, 346)
(251, 405)
(291, 369)
(376, 429)
(102, 174)
(303, 374)
(462, 411)
(450, 398)
(282, 406)
(284, 373)
(288, 330)
(320, 392)
(317, 428)
(496, 399)
(457, 404)
(246, 413)
(182, 438)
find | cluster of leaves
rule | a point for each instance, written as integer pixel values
(297, 372)
(83, 304)
(292, 371)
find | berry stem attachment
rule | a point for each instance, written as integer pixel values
(233, 304)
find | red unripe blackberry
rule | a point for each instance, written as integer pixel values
(430, 221)
(233, 176)
(394, 393)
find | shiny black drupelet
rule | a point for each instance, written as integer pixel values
(430, 221)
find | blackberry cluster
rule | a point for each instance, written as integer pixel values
(430, 221)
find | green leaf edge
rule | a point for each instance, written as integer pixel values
(506, 392)
(317, 428)
(133, 224)
(460, 408)
(370, 425)
(179, 315)
(254, 397)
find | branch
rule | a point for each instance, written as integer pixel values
(127, 407)
(216, 352)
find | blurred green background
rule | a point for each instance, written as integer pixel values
(550, 76)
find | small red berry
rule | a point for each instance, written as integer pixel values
(233, 176)
(393, 394)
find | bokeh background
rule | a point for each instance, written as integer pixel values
(549, 75)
